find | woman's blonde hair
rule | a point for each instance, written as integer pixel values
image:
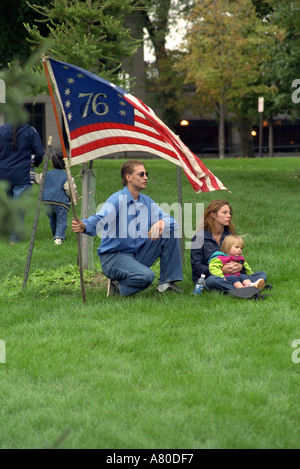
(229, 241)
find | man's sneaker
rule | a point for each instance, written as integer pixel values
(58, 241)
(113, 287)
(260, 284)
(170, 287)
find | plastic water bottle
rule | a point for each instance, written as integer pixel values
(199, 285)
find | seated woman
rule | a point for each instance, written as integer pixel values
(217, 225)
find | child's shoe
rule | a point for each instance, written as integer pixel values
(260, 284)
(58, 241)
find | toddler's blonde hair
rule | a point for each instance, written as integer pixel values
(229, 241)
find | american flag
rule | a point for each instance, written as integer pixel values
(102, 119)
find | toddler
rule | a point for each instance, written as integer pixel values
(232, 248)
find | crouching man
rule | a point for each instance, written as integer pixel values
(135, 233)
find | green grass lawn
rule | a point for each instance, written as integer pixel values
(163, 372)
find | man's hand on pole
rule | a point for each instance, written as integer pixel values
(77, 225)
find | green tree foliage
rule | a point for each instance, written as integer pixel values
(13, 44)
(262, 8)
(283, 64)
(164, 83)
(21, 82)
(227, 46)
(91, 34)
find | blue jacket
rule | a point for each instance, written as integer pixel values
(54, 192)
(15, 164)
(203, 246)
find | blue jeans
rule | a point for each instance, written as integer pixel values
(132, 271)
(219, 283)
(58, 218)
(15, 192)
(237, 278)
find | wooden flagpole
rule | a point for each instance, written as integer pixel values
(73, 196)
(179, 198)
(37, 213)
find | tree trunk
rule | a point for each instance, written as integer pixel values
(246, 148)
(271, 138)
(221, 131)
(86, 241)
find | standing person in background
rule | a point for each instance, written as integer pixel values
(57, 197)
(20, 150)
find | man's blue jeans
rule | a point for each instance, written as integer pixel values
(132, 271)
(219, 283)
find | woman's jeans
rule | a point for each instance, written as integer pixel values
(16, 192)
(132, 271)
(237, 278)
(219, 283)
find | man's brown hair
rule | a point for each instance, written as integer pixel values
(128, 168)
